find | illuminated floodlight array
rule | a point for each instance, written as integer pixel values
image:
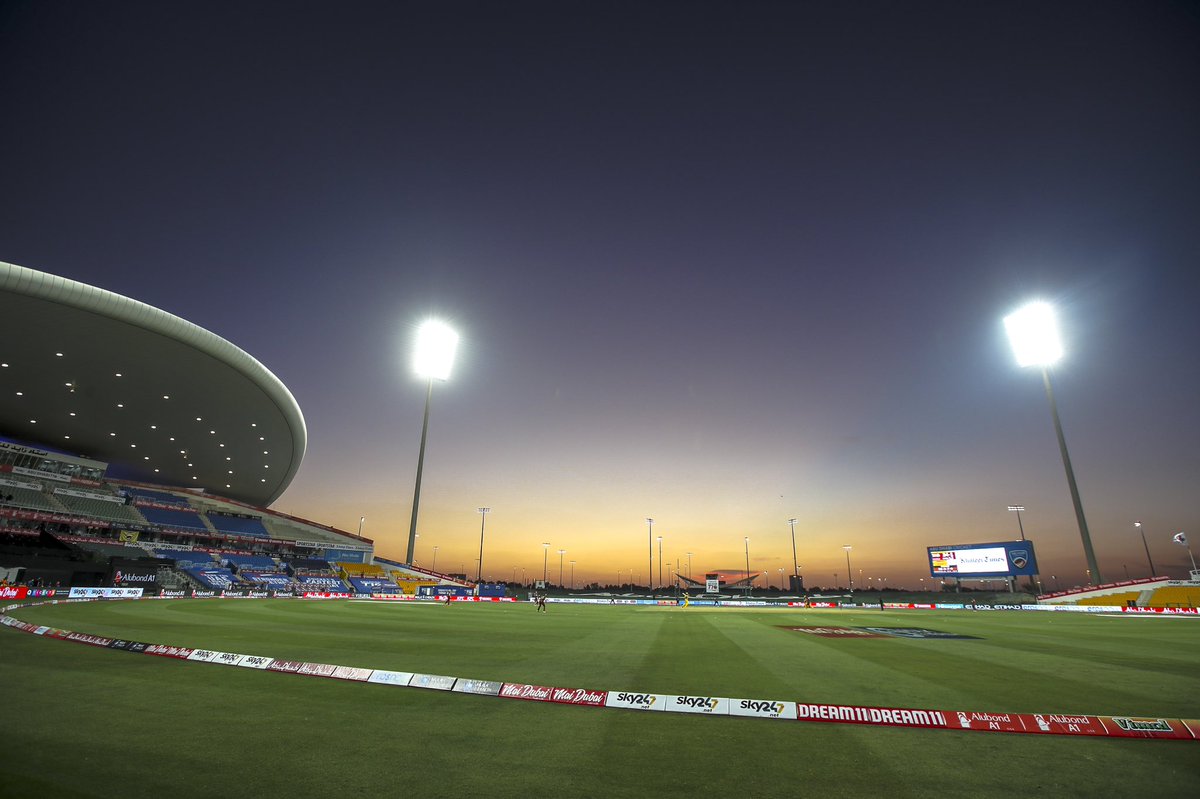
(1033, 332)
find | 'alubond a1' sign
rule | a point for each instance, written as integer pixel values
(983, 561)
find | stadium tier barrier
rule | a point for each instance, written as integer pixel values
(254, 562)
(374, 585)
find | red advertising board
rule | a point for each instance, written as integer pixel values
(13, 592)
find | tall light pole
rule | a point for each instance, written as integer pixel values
(361, 519)
(849, 571)
(432, 359)
(1033, 332)
(483, 512)
(545, 560)
(433, 568)
(747, 565)
(795, 563)
(1138, 525)
(572, 575)
(1017, 509)
(561, 552)
(650, 542)
(660, 579)
(689, 564)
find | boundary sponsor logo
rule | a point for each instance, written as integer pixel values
(13, 591)
(436, 682)
(84, 638)
(316, 669)
(578, 696)
(484, 687)
(836, 632)
(255, 662)
(203, 655)
(105, 593)
(1061, 724)
(713, 705)
(1132, 727)
(858, 714)
(995, 722)
(180, 652)
(535, 693)
(915, 632)
(632, 700)
(762, 708)
(351, 673)
(227, 658)
(288, 666)
(383, 677)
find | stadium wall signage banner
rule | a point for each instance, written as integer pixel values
(13, 592)
(106, 593)
(1031, 723)
(983, 561)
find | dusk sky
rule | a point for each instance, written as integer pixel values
(719, 264)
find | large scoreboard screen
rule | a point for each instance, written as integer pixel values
(983, 561)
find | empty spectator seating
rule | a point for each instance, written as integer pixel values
(308, 564)
(309, 582)
(24, 497)
(185, 558)
(1176, 596)
(1119, 599)
(374, 585)
(262, 563)
(237, 525)
(98, 508)
(183, 519)
(359, 569)
(213, 577)
(271, 580)
(156, 496)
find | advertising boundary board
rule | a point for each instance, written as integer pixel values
(1145, 727)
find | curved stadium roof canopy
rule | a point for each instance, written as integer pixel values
(92, 373)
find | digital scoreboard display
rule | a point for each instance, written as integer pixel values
(983, 561)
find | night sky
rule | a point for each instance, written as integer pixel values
(719, 264)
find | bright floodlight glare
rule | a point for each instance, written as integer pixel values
(1033, 333)
(434, 354)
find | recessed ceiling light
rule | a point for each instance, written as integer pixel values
(59, 354)
(265, 466)
(112, 434)
(68, 385)
(252, 424)
(118, 374)
(265, 452)
(4, 365)
(153, 427)
(231, 471)
(33, 421)
(172, 438)
(189, 464)
(260, 438)
(20, 393)
(133, 446)
(228, 458)
(71, 413)
(120, 405)
(66, 436)
(221, 445)
(145, 457)
(166, 396)
(156, 471)
(212, 432)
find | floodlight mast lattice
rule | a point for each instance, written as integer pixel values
(1033, 332)
(433, 357)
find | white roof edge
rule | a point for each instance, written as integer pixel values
(64, 291)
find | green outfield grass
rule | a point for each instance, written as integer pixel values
(82, 721)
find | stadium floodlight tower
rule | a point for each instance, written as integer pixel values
(1033, 333)
(650, 562)
(433, 358)
(483, 512)
(1141, 529)
(795, 563)
(849, 573)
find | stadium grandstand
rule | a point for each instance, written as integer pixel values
(116, 446)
